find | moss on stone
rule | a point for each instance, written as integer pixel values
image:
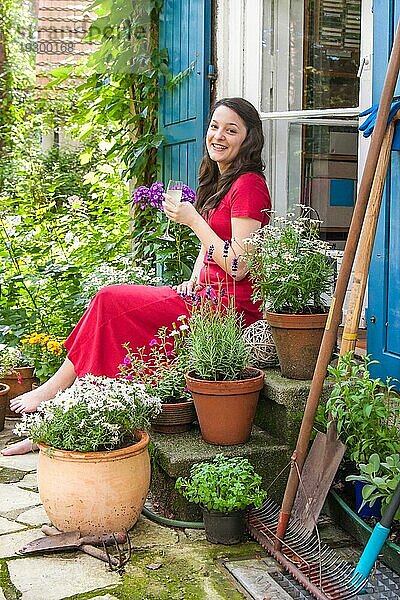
(11, 475)
(188, 572)
(9, 591)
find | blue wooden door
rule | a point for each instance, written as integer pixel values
(384, 282)
(185, 30)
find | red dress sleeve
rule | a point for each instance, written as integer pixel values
(250, 198)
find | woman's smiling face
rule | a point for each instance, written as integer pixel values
(225, 135)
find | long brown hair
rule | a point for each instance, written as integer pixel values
(213, 185)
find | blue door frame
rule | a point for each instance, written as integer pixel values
(185, 31)
(383, 314)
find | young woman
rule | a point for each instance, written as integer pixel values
(232, 201)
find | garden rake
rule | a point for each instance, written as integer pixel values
(287, 538)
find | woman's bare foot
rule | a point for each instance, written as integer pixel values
(22, 447)
(29, 401)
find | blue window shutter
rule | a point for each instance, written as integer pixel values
(185, 31)
(383, 315)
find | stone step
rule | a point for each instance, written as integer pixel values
(173, 456)
(281, 406)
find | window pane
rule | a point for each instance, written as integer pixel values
(332, 51)
(328, 179)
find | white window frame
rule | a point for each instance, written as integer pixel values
(239, 42)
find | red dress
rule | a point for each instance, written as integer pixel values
(134, 313)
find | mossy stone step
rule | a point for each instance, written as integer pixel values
(173, 456)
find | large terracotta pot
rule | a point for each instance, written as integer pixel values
(94, 492)
(226, 409)
(175, 417)
(297, 339)
(20, 382)
(4, 389)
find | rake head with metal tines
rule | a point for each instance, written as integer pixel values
(116, 563)
(315, 566)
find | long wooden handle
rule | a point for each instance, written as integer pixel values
(335, 312)
(366, 245)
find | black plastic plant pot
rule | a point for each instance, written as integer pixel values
(224, 528)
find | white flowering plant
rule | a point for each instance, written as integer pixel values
(94, 414)
(11, 359)
(120, 270)
(290, 267)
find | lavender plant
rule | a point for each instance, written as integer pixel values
(96, 413)
(290, 267)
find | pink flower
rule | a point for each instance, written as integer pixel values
(152, 342)
(127, 360)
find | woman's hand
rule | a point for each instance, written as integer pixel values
(186, 287)
(179, 212)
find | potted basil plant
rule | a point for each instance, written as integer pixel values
(224, 488)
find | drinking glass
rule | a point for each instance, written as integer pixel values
(174, 189)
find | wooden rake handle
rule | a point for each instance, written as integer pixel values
(335, 312)
(359, 284)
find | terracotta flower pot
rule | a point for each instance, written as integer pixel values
(20, 382)
(175, 417)
(94, 492)
(297, 339)
(226, 409)
(4, 389)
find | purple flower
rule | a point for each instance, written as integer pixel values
(127, 360)
(235, 265)
(208, 291)
(210, 252)
(152, 197)
(141, 196)
(226, 249)
(188, 195)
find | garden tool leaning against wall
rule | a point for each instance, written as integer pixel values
(320, 572)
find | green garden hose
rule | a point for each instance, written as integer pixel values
(171, 522)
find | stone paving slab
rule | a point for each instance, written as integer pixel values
(35, 516)
(7, 526)
(147, 534)
(256, 580)
(22, 462)
(107, 597)
(29, 481)
(14, 498)
(12, 542)
(56, 577)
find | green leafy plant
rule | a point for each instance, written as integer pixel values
(161, 367)
(216, 346)
(380, 478)
(225, 484)
(366, 410)
(96, 413)
(10, 360)
(289, 266)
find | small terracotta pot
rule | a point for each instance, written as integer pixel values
(175, 418)
(226, 409)
(94, 492)
(4, 389)
(297, 339)
(27, 379)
